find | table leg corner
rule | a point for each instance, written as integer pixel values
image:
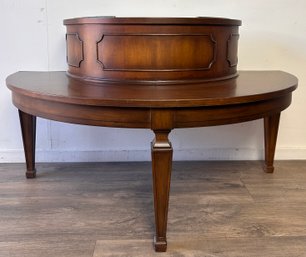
(30, 174)
(160, 245)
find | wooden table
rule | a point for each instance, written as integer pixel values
(161, 108)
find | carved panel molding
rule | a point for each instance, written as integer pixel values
(232, 50)
(156, 52)
(75, 53)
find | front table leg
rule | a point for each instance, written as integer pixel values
(161, 169)
(271, 124)
(28, 130)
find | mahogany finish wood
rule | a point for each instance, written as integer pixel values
(161, 108)
(161, 148)
(271, 123)
(28, 130)
(142, 50)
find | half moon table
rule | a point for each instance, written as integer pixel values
(159, 107)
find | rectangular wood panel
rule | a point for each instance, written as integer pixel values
(74, 46)
(153, 52)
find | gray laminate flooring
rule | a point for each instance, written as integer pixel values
(217, 209)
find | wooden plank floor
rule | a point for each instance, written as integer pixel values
(217, 209)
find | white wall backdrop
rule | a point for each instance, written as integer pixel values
(272, 37)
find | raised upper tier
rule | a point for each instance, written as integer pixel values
(152, 50)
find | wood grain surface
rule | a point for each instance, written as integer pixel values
(249, 86)
(159, 50)
(220, 209)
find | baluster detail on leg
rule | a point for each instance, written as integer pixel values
(161, 169)
(161, 123)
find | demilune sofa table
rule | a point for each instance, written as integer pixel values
(152, 73)
(53, 95)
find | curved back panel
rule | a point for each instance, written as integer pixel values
(152, 50)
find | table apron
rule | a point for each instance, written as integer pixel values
(136, 117)
(221, 115)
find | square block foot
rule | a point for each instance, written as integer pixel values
(268, 169)
(31, 174)
(160, 246)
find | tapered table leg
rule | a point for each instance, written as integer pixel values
(28, 130)
(271, 124)
(161, 169)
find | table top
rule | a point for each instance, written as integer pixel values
(249, 86)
